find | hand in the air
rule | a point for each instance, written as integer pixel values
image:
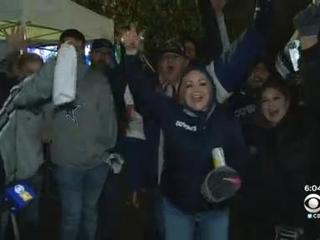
(16, 39)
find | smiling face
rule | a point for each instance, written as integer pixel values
(196, 91)
(170, 68)
(274, 105)
(258, 76)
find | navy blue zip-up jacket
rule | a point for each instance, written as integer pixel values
(227, 72)
(189, 138)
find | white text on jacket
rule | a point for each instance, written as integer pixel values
(186, 126)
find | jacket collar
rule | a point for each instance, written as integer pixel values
(200, 114)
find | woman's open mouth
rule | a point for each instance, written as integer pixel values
(273, 113)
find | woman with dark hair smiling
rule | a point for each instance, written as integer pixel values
(284, 170)
(286, 145)
(192, 128)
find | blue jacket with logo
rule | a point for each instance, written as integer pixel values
(189, 138)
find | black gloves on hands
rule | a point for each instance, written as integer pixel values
(307, 22)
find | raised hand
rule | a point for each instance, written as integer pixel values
(16, 39)
(218, 6)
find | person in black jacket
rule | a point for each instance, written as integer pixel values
(287, 146)
(286, 149)
(286, 162)
(192, 128)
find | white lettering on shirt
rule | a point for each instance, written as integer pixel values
(186, 126)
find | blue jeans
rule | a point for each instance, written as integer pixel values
(210, 225)
(79, 193)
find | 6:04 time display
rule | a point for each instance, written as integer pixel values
(311, 188)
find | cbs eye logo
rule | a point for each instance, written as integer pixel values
(312, 203)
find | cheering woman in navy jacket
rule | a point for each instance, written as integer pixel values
(192, 128)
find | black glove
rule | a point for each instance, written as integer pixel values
(263, 16)
(307, 22)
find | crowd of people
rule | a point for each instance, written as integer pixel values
(158, 129)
